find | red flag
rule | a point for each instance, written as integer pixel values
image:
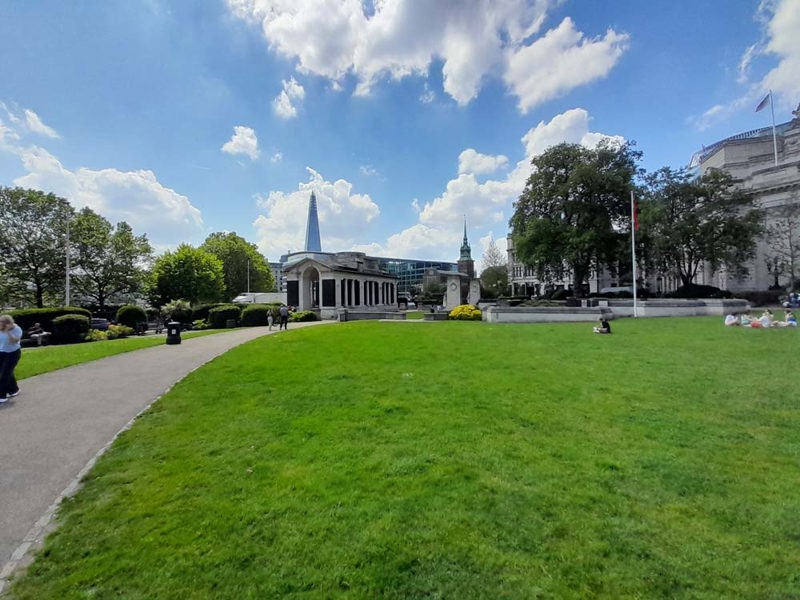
(636, 215)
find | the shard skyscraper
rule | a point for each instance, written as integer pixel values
(312, 227)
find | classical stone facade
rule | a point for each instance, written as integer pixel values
(749, 157)
(324, 282)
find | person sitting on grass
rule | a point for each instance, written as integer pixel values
(746, 320)
(37, 334)
(732, 320)
(766, 320)
(605, 326)
(789, 320)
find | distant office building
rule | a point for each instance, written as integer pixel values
(313, 243)
(277, 273)
(411, 273)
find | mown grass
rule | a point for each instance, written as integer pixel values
(452, 460)
(36, 361)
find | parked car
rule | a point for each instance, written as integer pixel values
(101, 324)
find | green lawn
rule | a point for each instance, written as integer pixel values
(36, 361)
(453, 460)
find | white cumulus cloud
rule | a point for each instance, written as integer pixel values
(783, 35)
(471, 161)
(243, 141)
(487, 204)
(559, 61)
(342, 214)
(285, 105)
(394, 39)
(36, 125)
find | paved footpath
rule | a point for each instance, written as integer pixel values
(53, 431)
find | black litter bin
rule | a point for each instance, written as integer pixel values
(173, 332)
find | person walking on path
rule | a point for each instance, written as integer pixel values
(10, 351)
(284, 314)
(270, 318)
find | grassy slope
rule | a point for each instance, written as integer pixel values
(36, 361)
(453, 460)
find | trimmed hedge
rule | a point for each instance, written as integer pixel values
(303, 315)
(200, 312)
(26, 317)
(255, 315)
(131, 315)
(70, 328)
(694, 290)
(218, 317)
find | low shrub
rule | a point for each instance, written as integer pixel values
(218, 317)
(465, 312)
(200, 312)
(26, 317)
(255, 315)
(303, 315)
(178, 310)
(131, 315)
(119, 331)
(69, 329)
(200, 324)
(694, 290)
(95, 335)
(762, 297)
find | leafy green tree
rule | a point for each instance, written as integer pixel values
(108, 260)
(237, 255)
(689, 221)
(33, 233)
(493, 256)
(569, 217)
(188, 273)
(494, 281)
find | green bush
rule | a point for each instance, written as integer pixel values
(131, 315)
(762, 297)
(200, 312)
(465, 312)
(95, 335)
(255, 315)
(26, 317)
(69, 329)
(694, 290)
(218, 317)
(119, 331)
(200, 324)
(178, 310)
(303, 315)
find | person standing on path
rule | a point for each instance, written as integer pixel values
(284, 314)
(270, 318)
(10, 351)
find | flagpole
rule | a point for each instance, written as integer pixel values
(633, 254)
(66, 287)
(774, 135)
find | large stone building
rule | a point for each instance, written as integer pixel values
(750, 157)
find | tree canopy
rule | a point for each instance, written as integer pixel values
(237, 255)
(33, 232)
(109, 260)
(187, 273)
(573, 210)
(690, 221)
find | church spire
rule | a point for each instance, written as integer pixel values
(312, 227)
(466, 251)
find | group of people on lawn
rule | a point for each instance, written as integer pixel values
(765, 321)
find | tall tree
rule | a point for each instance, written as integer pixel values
(33, 229)
(187, 274)
(239, 257)
(783, 236)
(493, 256)
(109, 260)
(575, 203)
(691, 221)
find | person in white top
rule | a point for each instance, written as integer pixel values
(10, 334)
(731, 320)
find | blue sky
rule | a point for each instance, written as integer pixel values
(185, 118)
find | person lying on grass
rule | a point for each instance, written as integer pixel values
(732, 320)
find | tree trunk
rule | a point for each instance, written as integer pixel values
(39, 296)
